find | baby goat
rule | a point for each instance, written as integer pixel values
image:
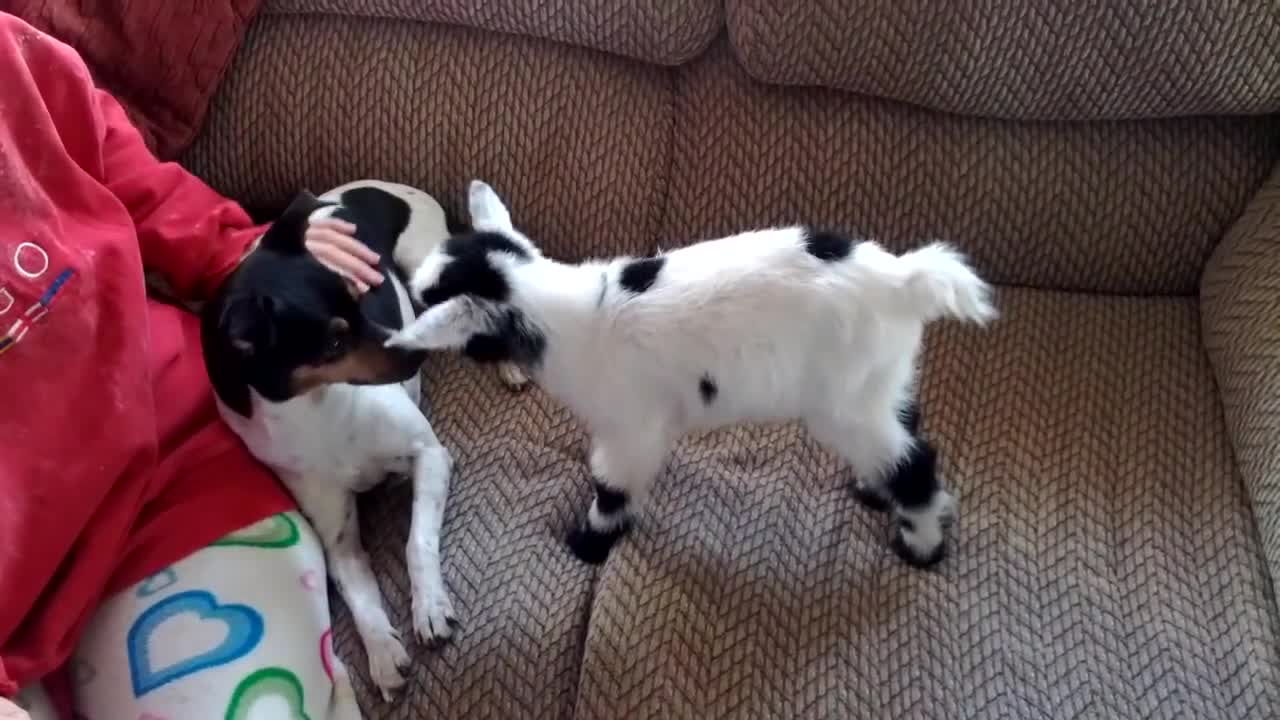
(771, 325)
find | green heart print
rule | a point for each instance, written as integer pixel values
(272, 682)
(277, 531)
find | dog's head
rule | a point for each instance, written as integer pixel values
(466, 287)
(283, 324)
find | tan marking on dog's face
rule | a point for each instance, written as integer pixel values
(368, 363)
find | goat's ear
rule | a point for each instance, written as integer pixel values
(447, 326)
(488, 214)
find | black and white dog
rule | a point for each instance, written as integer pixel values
(300, 368)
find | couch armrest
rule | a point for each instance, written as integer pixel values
(1240, 322)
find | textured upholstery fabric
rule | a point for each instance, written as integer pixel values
(659, 31)
(1132, 207)
(586, 146)
(1047, 59)
(1105, 564)
(1114, 455)
(1240, 308)
(576, 142)
(521, 598)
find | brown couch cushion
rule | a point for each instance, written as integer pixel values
(1106, 563)
(576, 141)
(1053, 59)
(1240, 312)
(521, 597)
(1131, 207)
(659, 31)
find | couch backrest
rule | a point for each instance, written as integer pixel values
(1024, 59)
(601, 154)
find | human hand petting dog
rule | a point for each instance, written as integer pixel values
(333, 243)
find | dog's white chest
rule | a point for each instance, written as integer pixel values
(353, 434)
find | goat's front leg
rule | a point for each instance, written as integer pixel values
(512, 376)
(433, 615)
(332, 512)
(623, 471)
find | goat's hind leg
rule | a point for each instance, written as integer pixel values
(623, 472)
(897, 469)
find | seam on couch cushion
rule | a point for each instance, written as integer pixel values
(1025, 59)
(667, 33)
(1240, 322)
(1123, 207)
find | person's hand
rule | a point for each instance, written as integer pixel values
(10, 711)
(333, 243)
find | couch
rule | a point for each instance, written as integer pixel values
(1114, 439)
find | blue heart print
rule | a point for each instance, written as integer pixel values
(154, 584)
(244, 632)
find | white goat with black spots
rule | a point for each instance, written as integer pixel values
(779, 324)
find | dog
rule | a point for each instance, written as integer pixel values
(299, 364)
(771, 325)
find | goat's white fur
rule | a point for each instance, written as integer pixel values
(781, 333)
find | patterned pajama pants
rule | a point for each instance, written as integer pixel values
(236, 631)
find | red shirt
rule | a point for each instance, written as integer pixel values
(113, 462)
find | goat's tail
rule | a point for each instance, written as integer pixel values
(928, 283)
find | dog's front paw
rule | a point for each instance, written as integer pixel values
(387, 657)
(433, 617)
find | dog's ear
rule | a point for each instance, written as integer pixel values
(488, 214)
(249, 325)
(288, 233)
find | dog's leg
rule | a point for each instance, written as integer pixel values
(623, 472)
(433, 616)
(332, 512)
(893, 466)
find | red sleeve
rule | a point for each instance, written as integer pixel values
(188, 233)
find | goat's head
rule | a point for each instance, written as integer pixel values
(466, 287)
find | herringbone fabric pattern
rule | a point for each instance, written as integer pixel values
(575, 140)
(600, 156)
(1105, 564)
(1116, 207)
(521, 597)
(1028, 59)
(658, 31)
(1240, 309)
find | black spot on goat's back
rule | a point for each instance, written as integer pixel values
(640, 275)
(707, 389)
(827, 246)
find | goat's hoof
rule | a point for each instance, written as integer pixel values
(918, 557)
(512, 377)
(871, 498)
(591, 546)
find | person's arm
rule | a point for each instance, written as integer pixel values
(189, 234)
